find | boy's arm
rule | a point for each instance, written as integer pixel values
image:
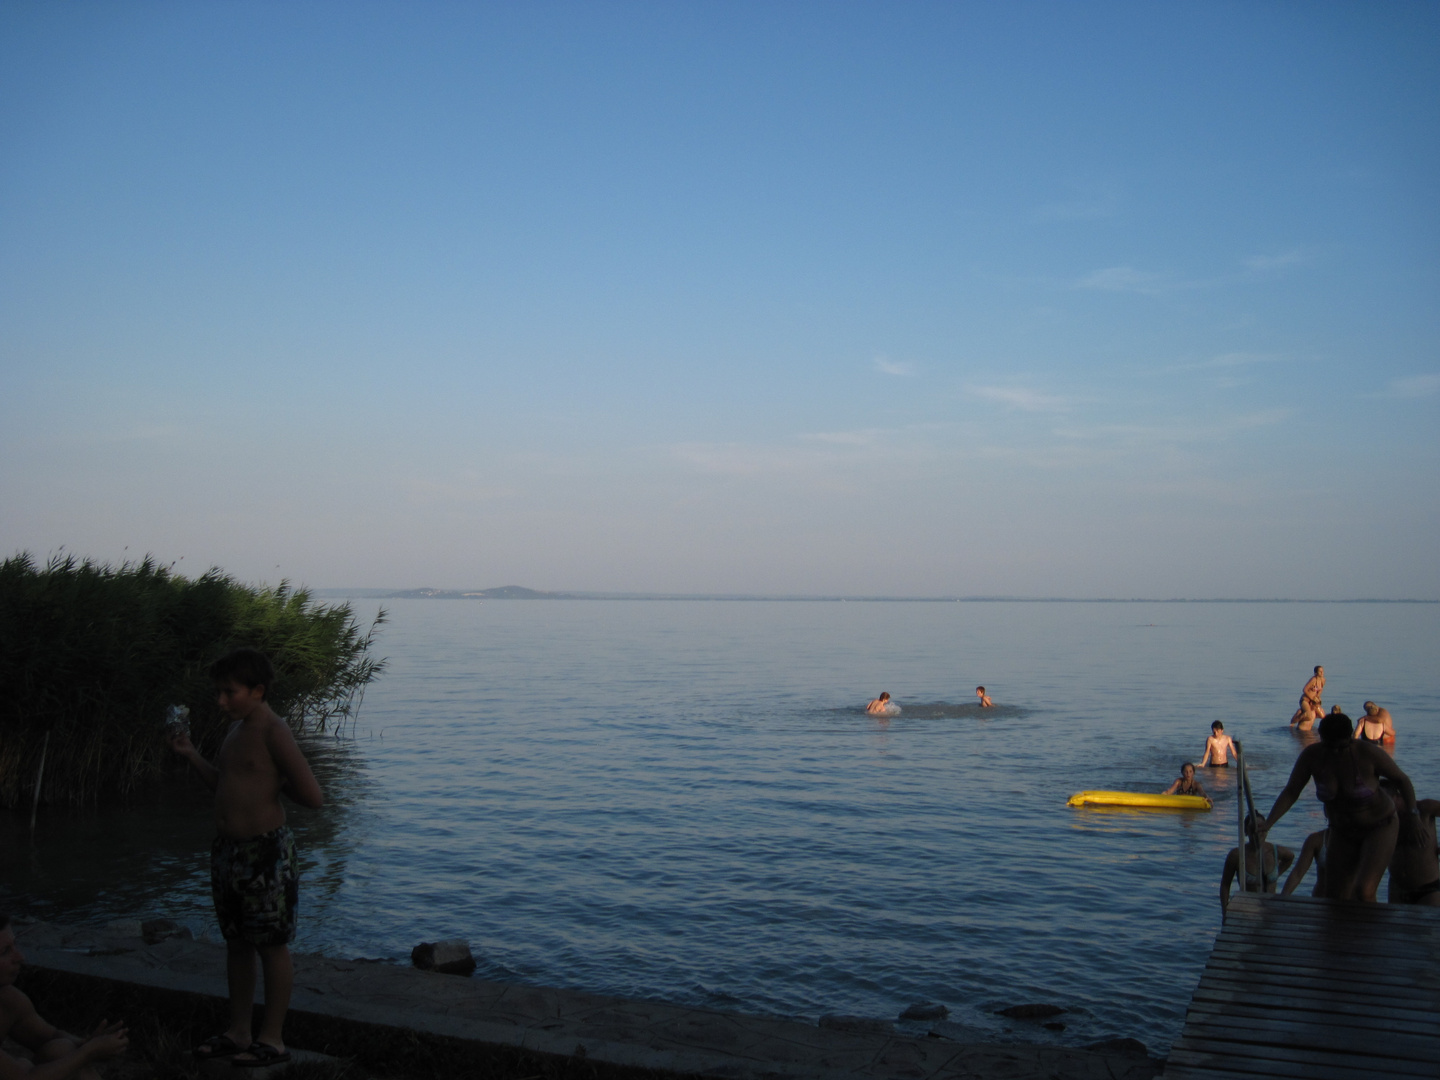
(1231, 866)
(1206, 759)
(181, 744)
(296, 779)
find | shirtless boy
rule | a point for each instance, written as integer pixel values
(1376, 725)
(985, 702)
(254, 877)
(58, 1056)
(1310, 708)
(1415, 866)
(1218, 748)
(880, 705)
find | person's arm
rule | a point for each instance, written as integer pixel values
(1385, 766)
(1307, 856)
(1232, 862)
(34, 1033)
(1172, 788)
(296, 779)
(1205, 760)
(1286, 857)
(1299, 777)
(181, 744)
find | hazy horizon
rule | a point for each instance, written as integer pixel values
(1032, 300)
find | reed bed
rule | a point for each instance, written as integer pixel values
(91, 656)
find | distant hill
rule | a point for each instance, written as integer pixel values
(504, 592)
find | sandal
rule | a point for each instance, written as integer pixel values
(217, 1046)
(261, 1056)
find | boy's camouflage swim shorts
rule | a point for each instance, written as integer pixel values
(255, 884)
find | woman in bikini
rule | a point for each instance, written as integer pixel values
(1363, 818)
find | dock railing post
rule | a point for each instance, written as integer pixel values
(1241, 871)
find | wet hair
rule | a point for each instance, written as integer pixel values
(1250, 826)
(884, 695)
(1317, 668)
(1217, 726)
(248, 667)
(1188, 765)
(1335, 729)
(1371, 708)
(980, 689)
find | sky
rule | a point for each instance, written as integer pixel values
(923, 299)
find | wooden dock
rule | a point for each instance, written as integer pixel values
(1322, 989)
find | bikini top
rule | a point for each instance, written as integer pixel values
(1361, 793)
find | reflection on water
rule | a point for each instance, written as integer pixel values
(687, 801)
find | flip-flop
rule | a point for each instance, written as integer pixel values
(217, 1046)
(261, 1055)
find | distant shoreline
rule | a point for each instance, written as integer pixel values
(515, 592)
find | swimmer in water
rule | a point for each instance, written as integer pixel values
(1310, 708)
(985, 702)
(1218, 748)
(1376, 726)
(1186, 784)
(1277, 861)
(881, 705)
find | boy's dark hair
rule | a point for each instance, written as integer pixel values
(248, 667)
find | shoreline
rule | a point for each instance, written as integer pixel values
(340, 1004)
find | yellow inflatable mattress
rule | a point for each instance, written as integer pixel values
(1138, 798)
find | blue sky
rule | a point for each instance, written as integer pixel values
(902, 299)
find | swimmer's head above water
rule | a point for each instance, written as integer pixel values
(1217, 727)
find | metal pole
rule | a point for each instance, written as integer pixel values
(1241, 873)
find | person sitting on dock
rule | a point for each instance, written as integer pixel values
(1363, 820)
(985, 702)
(1415, 866)
(1376, 726)
(1312, 850)
(1186, 784)
(1310, 708)
(1277, 859)
(1218, 748)
(881, 705)
(57, 1055)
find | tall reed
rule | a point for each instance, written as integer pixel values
(93, 653)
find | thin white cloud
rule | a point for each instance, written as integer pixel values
(1264, 264)
(1125, 279)
(1415, 386)
(893, 367)
(863, 437)
(1021, 397)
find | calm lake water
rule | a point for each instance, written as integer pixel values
(684, 800)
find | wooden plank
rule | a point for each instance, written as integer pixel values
(1376, 932)
(1249, 1068)
(1349, 963)
(1426, 1024)
(1418, 977)
(1296, 1061)
(1216, 987)
(1246, 1032)
(1363, 917)
(1387, 938)
(1351, 955)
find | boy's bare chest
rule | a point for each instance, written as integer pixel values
(244, 751)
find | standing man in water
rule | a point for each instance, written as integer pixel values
(1218, 748)
(985, 702)
(1310, 708)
